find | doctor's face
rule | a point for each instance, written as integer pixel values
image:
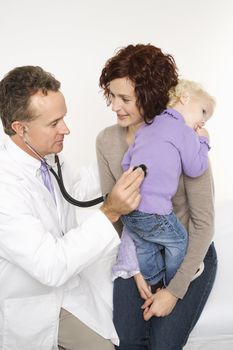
(46, 132)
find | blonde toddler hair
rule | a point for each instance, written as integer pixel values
(189, 86)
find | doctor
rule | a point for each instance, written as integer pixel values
(43, 252)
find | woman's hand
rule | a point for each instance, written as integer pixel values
(143, 287)
(159, 304)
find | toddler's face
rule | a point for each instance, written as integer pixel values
(198, 110)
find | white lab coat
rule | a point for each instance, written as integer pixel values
(42, 270)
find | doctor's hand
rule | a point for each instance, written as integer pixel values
(125, 196)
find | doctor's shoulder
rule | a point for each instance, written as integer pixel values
(13, 191)
(9, 170)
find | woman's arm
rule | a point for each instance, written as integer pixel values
(106, 152)
(107, 179)
(110, 148)
(194, 205)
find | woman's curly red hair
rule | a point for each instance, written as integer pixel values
(152, 72)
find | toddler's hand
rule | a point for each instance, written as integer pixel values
(202, 132)
(143, 287)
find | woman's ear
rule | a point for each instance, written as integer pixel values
(185, 98)
(18, 128)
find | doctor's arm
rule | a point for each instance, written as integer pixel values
(26, 241)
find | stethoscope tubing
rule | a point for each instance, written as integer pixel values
(59, 178)
(68, 198)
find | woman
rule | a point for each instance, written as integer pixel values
(136, 81)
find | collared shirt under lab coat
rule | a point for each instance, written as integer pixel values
(40, 269)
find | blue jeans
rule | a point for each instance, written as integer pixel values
(161, 333)
(151, 231)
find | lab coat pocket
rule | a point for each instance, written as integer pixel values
(30, 323)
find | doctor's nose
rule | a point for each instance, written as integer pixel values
(64, 128)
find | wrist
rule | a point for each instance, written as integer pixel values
(171, 293)
(111, 214)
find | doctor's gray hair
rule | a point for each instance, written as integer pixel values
(16, 89)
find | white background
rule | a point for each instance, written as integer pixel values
(73, 39)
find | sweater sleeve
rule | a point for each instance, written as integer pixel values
(107, 152)
(200, 205)
(126, 161)
(126, 265)
(107, 179)
(194, 153)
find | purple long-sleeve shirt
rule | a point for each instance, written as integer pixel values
(167, 147)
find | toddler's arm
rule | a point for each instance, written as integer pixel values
(194, 152)
(127, 266)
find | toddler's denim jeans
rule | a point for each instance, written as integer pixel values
(150, 232)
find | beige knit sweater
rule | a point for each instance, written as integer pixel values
(193, 203)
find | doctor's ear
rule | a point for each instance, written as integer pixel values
(18, 128)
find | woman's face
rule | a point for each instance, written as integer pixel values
(123, 102)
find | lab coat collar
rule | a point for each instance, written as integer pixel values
(24, 159)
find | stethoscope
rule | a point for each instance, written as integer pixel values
(59, 178)
(71, 200)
